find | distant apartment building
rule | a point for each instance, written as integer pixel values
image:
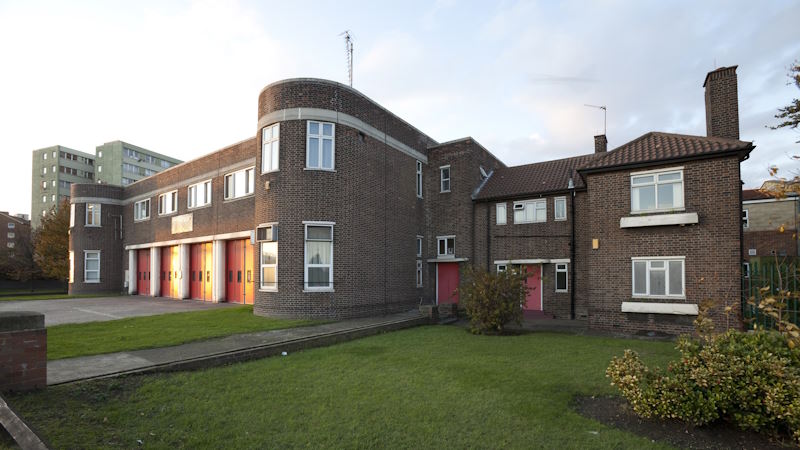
(769, 224)
(56, 168)
(14, 228)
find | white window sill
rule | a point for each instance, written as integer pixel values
(682, 309)
(141, 220)
(309, 290)
(194, 208)
(561, 291)
(659, 220)
(168, 214)
(444, 192)
(319, 169)
(525, 223)
(270, 171)
(658, 297)
(263, 289)
(91, 282)
(233, 199)
(92, 226)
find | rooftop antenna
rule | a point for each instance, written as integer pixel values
(348, 48)
(605, 112)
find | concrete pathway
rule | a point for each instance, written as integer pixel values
(80, 310)
(214, 352)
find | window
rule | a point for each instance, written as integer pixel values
(446, 246)
(53, 183)
(561, 278)
(72, 215)
(501, 213)
(71, 267)
(319, 256)
(200, 194)
(44, 170)
(746, 269)
(44, 155)
(10, 244)
(54, 154)
(53, 197)
(658, 277)
(419, 246)
(501, 268)
(99, 168)
(44, 184)
(167, 203)
(444, 179)
(419, 273)
(12, 225)
(99, 153)
(91, 266)
(530, 211)
(141, 209)
(656, 191)
(54, 169)
(560, 208)
(239, 183)
(419, 179)
(44, 199)
(269, 265)
(10, 235)
(269, 148)
(92, 214)
(745, 218)
(320, 148)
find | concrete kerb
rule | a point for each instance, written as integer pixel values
(267, 350)
(20, 431)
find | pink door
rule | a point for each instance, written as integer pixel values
(447, 282)
(533, 302)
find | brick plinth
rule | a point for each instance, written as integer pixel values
(23, 351)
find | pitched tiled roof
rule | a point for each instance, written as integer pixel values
(754, 194)
(657, 146)
(547, 176)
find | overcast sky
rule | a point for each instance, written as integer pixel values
(182, 78)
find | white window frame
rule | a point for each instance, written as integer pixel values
(44, 184)
(10, 244)
(137, 210)
(86, 271)
(262, 265)
(71, 266)
(442, 178)
(12, 225)
(71, 215)
(649, 260)
(449, 251)
(502, 267)
(321, 138)
(11, 235)
(167, 204)
(95, 212)
(501, 218)
(45, 155)
(419, 179)
(562, 268)
(746, 269)
(419, 273)
(53, 198)
(419, 245)
(538, 204)
(556, 201)
(99, 169)
(636, 209)
(745, 218)
(306, 265)
(193, 194)
(44, 199)
(270, 160)
(229, 183)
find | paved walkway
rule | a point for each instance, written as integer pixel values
(80, 310)
(225, 350)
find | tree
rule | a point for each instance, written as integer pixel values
(790, 115)
(19, 264)
(51, 243)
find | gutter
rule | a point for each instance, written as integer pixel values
(743, 153)
(572, 256)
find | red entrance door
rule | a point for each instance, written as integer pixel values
(170, 262)
(446, 283)
(533, 301)
(143, 271)
(239, 272)
(200, 273)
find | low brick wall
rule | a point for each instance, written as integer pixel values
(23, 351)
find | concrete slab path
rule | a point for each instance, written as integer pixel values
(214, 352)
(81, 310)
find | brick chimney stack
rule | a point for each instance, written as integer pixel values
(600, 143)
(722, 103)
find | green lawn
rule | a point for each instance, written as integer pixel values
(82, 339)
(22, 298)
(427, 387)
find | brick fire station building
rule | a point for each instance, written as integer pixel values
(338, 208)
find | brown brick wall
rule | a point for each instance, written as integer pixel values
(23, 359)
(722, 103)
(770, 243)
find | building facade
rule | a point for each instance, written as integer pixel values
(121, 163)
(15, 230)
(338, 208)
(769, 224)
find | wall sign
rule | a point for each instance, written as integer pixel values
(182, 223)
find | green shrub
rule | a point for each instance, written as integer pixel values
(750, 379)
(492, 300)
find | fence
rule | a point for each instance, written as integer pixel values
(772, 276)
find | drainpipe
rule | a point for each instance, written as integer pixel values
(488, 238)
(572, 251)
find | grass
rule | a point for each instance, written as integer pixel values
(135, 333)
(428, 387)
(20, 298)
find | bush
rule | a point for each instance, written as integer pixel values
(750, 379)
(492, 300)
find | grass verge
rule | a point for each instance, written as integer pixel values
(135, 333)
(428, 387)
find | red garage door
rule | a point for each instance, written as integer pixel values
(143, 271)
(239, 272)
(201, 273)
(446, 283)
(169, 271)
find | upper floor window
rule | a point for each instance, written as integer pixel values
(500, 210)
(446, 246)
(10, 235)
(12, 225)
(199, 194)
(141, 210)
(44, 184)
(99, 153)
(444, 179)
(270, 138)
(658, 277)
(745, 218)
(530, 211)
(99, 168)
(657, 190)
(419, 179)
(44, 155)
(320, 146)
(560, 208)
(168, 203)
(44, 170)
(239, 183)
(93, 214)
(419, 246)
(72, 215)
